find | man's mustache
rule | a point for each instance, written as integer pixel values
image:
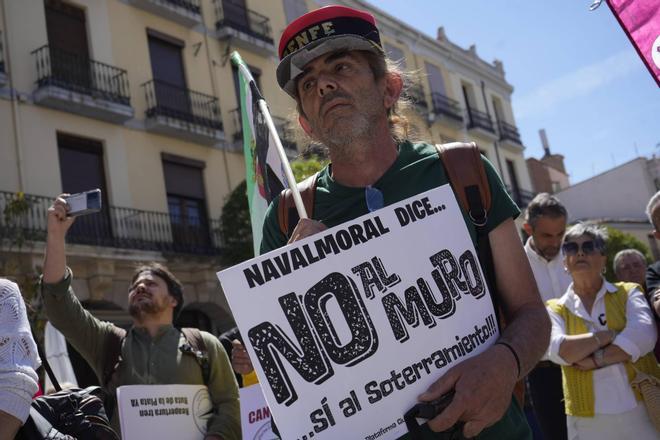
(332, 95)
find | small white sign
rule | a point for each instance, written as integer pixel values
(163, 411)
(347, 327)
(255, 415)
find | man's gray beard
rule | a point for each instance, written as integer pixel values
(345, 138)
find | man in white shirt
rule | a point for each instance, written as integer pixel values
(545, 223)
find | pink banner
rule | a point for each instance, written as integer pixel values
(640, 19)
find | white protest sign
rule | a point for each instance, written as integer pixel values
(255, 415)
(163, 411)
(347, 327)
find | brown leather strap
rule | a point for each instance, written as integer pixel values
(462, 162)
(287, 215)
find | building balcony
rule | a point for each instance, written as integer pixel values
(70, 82)
(447, 109)
(185, 12)
(115, 227)
(182, 113)
(509, 133)
(480, 122)
(246, 29)
(282, 125)
(520, 196)
(415, 94)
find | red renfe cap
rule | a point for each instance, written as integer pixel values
(323, 30)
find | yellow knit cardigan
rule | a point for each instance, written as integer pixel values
(578, 385)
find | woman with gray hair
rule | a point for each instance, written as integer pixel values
(601, 333)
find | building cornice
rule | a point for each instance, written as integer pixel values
(466, 62)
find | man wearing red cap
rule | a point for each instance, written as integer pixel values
(332, 63)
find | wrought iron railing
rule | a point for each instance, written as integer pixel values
(115, 227)
(286, 132)
(190, 5)
(164, 99)
(57, 67)
(416, 95)
(480, 120)
(283, 126)
(446, 106)
(242, 19)
(520, 196)
(509, 132)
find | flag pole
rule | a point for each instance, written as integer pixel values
(263, 108)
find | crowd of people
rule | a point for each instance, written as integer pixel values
(578, 338)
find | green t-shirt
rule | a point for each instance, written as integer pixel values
(416, 169)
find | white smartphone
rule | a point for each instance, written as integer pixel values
(83, 203)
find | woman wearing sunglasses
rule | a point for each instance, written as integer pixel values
(601, 333)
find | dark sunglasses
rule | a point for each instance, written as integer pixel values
(374, 198)
(588, 248)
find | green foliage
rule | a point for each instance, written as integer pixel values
(306, 167)
(13, 216)
(236, 227)
(617, 241)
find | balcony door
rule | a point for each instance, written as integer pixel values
(235, 14)
(81, 169)
(172, 98)
(68, 49)
(186, 203)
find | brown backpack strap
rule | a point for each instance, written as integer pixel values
(462, 161)
(287, 215)
(198, 349)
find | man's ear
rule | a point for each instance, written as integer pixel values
(304, 123)
(528, 229)
(656, 234)
(393, 88)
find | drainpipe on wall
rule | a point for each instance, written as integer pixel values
(215, 92)
(16, 121)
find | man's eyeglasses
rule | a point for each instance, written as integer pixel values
(374, 198)
(588, 248)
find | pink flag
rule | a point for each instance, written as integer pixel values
(640, 19)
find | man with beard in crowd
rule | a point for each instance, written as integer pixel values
(545, 223)
(348, 94)
(153, 350)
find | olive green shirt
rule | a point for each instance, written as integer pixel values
(147, 360)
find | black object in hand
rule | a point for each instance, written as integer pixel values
(428, 410)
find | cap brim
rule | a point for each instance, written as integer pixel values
(293, 64)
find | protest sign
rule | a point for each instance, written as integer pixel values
(255, 415)
(347, 327)
(163, 411)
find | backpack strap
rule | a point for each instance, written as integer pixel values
(197, 346)
(467, 176)
(287, 214)
(462, 162)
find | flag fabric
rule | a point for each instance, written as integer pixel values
(265, 176)
(640, 19)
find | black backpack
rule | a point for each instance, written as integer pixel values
(67, 414)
